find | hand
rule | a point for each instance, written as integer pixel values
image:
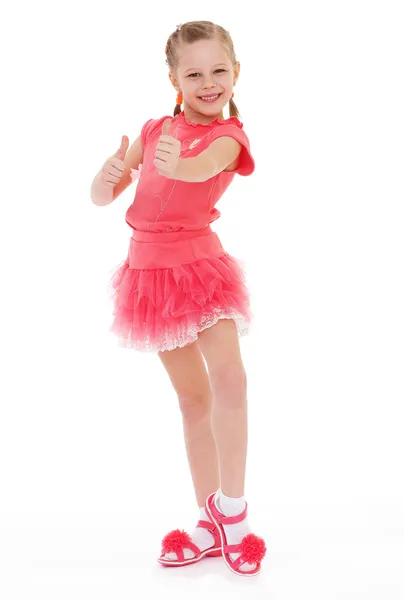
(167, 152)
(112, 170)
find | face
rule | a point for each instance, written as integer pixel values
(205, 76)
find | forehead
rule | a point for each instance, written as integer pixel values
(202, 53)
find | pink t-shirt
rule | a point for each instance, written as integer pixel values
(163, 204)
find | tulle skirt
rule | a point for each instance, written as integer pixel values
(174, 285)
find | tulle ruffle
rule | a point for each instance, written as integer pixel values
(162, 309)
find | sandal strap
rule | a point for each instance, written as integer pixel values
(184, 543)
(190, 546)
(222, 519)
(238, 562)
(194, 548)
(213, 530)
(232, 548)
(180, 554)
(207, 524)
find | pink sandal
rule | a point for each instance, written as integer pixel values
(176, 541)
(252, 547)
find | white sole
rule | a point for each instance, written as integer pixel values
(189, 561)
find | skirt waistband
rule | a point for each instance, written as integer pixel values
(169, 236)
(172, 249)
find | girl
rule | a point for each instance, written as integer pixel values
(180, 294)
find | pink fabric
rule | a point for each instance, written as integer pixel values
(159, 308)
(163, 204)
(149, 250)
(135, 173)
(177, 280)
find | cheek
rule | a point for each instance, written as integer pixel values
(190, 85)
(228, 80)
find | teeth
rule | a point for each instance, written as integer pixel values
(210, 97)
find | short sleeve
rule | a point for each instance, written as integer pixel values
(145, 131)
(246, 164)
(149, 128)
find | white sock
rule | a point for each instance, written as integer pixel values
(201, 537)
(235, 532)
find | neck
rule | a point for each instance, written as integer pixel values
(196, 117)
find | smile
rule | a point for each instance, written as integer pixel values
(210, 98)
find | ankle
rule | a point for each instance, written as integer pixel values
(228, 505)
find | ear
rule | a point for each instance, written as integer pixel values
(236, 70)
(174, 82)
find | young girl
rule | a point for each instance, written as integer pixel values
(180, 294)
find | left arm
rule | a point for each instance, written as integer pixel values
(220, 154)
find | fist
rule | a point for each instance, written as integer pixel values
(167, 152)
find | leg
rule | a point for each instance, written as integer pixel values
(220, 346)
(187, 372)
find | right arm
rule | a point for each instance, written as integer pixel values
(114, 176)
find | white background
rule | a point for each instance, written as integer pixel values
(93, 469)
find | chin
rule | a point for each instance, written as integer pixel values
(210, 111)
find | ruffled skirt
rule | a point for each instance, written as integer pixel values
(174, 285)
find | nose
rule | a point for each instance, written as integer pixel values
(208, 82)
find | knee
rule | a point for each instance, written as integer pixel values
(195, 407)
(229, 383)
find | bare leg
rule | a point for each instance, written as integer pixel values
(187, 372)
(221, 349)
(220, 346)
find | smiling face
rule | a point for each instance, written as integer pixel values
(205, 75)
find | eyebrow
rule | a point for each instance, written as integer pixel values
(198, 69)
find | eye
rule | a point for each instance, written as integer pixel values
(192, 74)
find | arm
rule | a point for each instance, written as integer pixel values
(102, 194)
(133, 158)
(221, 153)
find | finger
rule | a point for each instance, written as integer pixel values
(160, 165)
(168, 139)
(116, 169)
(162, 156)
(121, 152)
(166, 130)
(162, 159)
(166, 147)
(113, 179)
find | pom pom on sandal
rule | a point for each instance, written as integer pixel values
(175, 540)
(252, 549)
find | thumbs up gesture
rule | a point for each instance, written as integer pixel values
(121, 152)
(167, 152)
(112, 170)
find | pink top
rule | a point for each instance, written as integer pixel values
(163, 204)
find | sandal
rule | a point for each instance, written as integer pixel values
(176, 541)
(252, 547)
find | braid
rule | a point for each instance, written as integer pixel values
(233, 110)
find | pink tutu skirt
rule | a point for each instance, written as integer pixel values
(174, 285)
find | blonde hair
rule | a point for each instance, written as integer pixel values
(194, 31)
